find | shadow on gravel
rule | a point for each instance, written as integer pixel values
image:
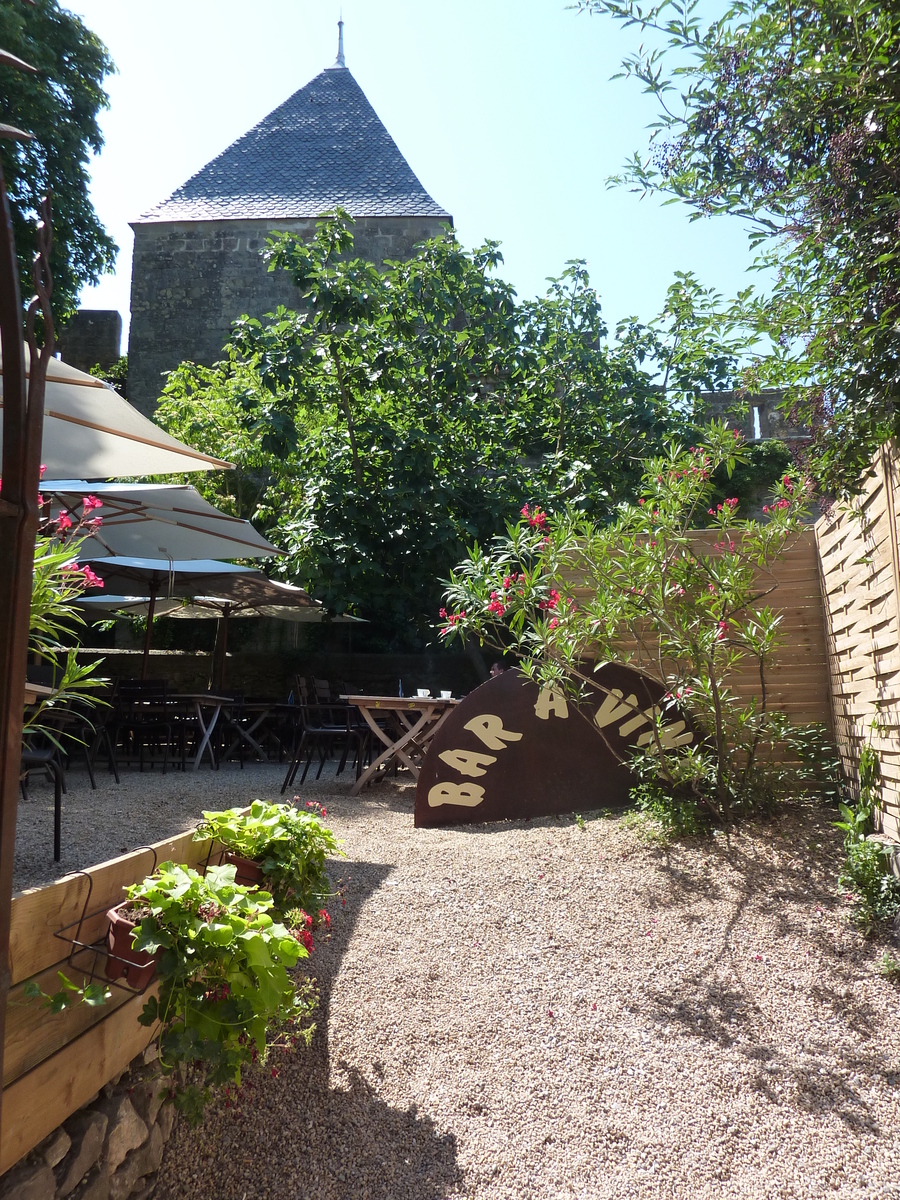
(732, 1014)
(293, 1135)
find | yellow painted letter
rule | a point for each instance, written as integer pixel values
(489, 729)
(614, 708)
(549, 702)
(466, 794)
(466, 762)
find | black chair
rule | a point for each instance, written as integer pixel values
(39, 754)
(82, 728)
(321, 729)
(142, 722)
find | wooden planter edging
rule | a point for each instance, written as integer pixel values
(53, 1064)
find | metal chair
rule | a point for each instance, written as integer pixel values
(39, 754)
(141, 720)
(321, 728)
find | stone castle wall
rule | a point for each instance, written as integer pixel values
(90, 337)
(190, 280)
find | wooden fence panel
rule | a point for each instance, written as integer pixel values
(859, 559)
(797, 681)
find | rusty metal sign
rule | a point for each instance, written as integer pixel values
(511, 749)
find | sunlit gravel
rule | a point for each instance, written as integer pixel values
(534, 1010)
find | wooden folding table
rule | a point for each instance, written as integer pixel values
(413, 722)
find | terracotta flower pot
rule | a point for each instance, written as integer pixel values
(249, 872)
(139, 966)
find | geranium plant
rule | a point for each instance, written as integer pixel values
(565, 594)
(223, 965)
(289, 844)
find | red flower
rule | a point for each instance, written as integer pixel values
(535, 517)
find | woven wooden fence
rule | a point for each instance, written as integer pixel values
(860, 565)
(53, 1064)
(797, 680)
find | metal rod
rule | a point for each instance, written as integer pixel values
(154, 587)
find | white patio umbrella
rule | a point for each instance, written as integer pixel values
(166, 578)
(157, 518)
(90, 431)
(252, 596)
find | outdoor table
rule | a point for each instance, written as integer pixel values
(201, 702)
(260, 711)
(37, 691)
(415, 720)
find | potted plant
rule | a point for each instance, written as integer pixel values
(287, 846)
(136, 967)
(223, 966)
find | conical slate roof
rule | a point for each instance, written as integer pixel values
(323, 146)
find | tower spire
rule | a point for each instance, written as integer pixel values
(339, 61)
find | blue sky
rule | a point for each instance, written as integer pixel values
(504, 109)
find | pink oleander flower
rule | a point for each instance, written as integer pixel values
(536, 517)
(91, 579)
(89, 502)
(63, 522)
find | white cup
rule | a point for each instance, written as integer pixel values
(446, 695)
(423, 693)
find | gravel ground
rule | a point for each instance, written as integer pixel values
(532, 1010)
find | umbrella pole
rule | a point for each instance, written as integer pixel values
(147, 635)
(220, 650)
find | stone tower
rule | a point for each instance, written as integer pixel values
(197, 256)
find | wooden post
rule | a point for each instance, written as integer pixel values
(23, 414)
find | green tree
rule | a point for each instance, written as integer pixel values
(788, 116)
(58, 106)
(401, 414)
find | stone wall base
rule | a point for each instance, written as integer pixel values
(110, 1149)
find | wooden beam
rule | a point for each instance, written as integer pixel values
(44, 1097)
(39, 914)
(33, 1033)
